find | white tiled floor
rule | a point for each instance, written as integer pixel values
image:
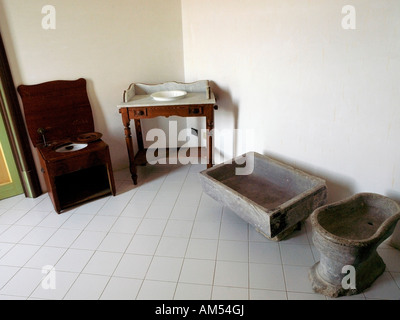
(163, 239)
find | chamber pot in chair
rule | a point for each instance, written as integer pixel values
(74, 160)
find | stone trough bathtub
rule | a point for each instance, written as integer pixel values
(274, 197)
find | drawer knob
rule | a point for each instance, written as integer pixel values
(195, 111)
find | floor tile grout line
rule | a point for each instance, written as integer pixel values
(247, 227)
(8, 281)
(18, 243)
(96, 250)
(187, 246)
(24, 267)
(283, 272)
(15, 244)
(144, 278)
(66, 249)
(190, 234)
(216, 255)
(93, 253)
(393, 278)
(162, 234)
(248, 263)
(109, 231)
(44, 197)
(123, 254)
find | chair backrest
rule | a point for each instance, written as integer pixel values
(60, 107)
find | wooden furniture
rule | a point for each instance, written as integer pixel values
(138, 104)
(57, 114)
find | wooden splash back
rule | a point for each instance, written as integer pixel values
(60, 107)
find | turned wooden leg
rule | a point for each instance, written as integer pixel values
(139, 135)
(210, 127)
(129, 145)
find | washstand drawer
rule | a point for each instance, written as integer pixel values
(195, 111)
(138, 113)
(182, 111)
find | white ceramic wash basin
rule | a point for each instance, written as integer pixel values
(169, 95)
(71, 147)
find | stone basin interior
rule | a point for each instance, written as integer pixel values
(269, 185)
(356, 220)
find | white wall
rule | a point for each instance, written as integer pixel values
(319, 97)
(110, 43)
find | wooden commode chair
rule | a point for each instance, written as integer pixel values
(75, 161)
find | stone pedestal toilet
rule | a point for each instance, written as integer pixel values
(395, 240)
(347, 234)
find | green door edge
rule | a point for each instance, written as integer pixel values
(15, 186)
